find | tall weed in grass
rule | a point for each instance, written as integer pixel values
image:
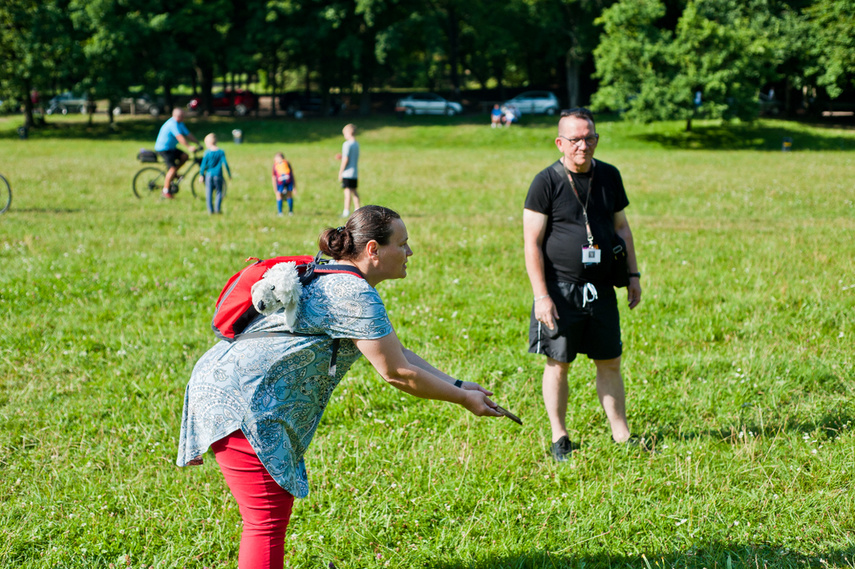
(738, 364)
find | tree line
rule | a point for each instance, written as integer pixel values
(650, 59)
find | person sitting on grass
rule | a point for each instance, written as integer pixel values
(211, 172)
(257, 402)
(496, 116)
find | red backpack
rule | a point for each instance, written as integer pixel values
(235, 309)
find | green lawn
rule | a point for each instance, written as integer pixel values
(739, 362)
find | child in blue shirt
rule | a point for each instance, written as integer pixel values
(284, 183)
(211, 171)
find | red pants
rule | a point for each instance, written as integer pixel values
(264, 506)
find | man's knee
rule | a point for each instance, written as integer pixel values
(608, 366)
(554, 367)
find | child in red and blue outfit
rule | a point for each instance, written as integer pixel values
(284, 183)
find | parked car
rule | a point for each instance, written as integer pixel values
(69, 102)
(239, 101)
(427, 104)
(296, 103)
(534, 102)
(142, 103)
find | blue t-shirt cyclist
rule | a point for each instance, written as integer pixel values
(173, 132)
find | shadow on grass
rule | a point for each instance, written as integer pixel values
(832, 425)
(268, 130)
(282, 130)
(715, 554)
(45, 210)
(751, 137)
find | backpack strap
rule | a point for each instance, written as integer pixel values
(330, 269)
(321, 266)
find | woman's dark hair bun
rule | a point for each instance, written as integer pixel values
(336, 243)
(368, 223)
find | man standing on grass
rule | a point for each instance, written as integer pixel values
(348, 173)
(572, 212)
(171, 133)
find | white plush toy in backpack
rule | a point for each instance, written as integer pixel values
(279, 289)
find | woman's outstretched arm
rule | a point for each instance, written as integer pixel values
(419, 378)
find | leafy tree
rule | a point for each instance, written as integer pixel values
(114, 36)
(490, 46)
(190, 37)
(722, 51)
(633, 62)
(832, 27)
(36, 47)
(566, 27)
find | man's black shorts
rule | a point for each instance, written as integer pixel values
(349, 183)
(172, 157)
(592, 329)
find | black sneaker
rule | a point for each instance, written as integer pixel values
(562, 449)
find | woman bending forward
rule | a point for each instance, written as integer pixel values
(257, 402)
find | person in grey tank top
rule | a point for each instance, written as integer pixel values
(348, 172)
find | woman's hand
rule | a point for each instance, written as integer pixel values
(472, 386)
(479, 404)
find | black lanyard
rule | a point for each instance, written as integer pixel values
(587, 198)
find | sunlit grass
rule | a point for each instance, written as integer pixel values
(738, 363)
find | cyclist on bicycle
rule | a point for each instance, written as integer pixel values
(173, 132)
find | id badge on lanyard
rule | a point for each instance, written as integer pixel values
(591, 254)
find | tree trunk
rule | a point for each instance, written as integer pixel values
(366, 75)
(499, 73)
(454, 49)
(365, 101)
(788, 98)
(206, 76)
(273, 83)
(572, 68)
(28, 107)
(167, 97)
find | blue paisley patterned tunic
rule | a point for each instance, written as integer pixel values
(275, 389)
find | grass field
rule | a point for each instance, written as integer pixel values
(738, 363)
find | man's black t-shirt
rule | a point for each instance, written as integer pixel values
(550, 194)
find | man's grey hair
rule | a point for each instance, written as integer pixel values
(579, 113)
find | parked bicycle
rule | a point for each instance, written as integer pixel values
(149, 180)
(5, 194)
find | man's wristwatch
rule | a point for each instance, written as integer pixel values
(636, 275)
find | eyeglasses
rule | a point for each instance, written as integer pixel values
(589, 140)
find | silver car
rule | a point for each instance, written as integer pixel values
(68, 102)
(427, 104)
(534, 102)
(142, 103)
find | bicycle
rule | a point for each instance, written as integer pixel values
(149, 180)
(5, 194)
